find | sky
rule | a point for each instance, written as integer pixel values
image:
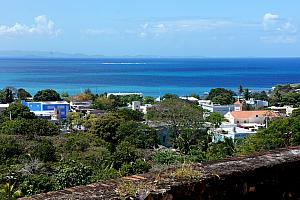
(185, 28)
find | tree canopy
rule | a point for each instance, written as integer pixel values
(221, 96)
(47, 95)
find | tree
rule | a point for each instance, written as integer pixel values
(7, 95)
(216, 119)
(221, 96)
(246, 94)
(82, 97)
(104, 103)
(130, 115)
(148, 100)
(259, 95)
(141, 135)
(64, 95)
(106, 127)
(184, 120)
(22, 94)
(170, 96)
(241, 89)
(17, 110)
(29, 127)
(47, 95)
(282, 132)
(291, 98)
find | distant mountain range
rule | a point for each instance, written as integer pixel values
(43, 54)
(55, 54)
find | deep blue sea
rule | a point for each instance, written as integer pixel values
(150, 76)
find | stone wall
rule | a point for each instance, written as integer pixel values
(269, 175)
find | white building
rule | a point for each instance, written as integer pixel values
(136, 105)
(189, 98)
(125, 94)
(80, 105)
(284, 110)
(257, 103)
(211, 107)
(228, 130)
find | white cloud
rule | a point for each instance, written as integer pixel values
(42, 25)
(269, 19)
(278, 30)
(183, 25)
(279, 39)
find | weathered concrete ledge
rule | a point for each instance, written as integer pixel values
(268, 175)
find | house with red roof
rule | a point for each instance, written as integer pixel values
(250, 117)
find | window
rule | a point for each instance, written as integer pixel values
(164, 139)
(245, 121)
(256, 115)
(238, 121)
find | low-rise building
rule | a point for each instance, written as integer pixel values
(124, 94)
(193, 99)
(257, 103)
(283, 110)
(80, 105)
(49, 109)
(232, 131)
(250, 117)
(211, 107)
(136, 105)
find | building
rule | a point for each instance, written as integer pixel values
(193, 99)
(80, 105)
(284, 111)
(257, 103)
(125, 94)
(256, 117)
(232, 131)
(136, 105)
(211, 107)
(3, 107)
(238, 106)
(53, 110)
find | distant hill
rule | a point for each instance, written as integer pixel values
(43, 54)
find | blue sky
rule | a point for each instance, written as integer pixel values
(214, 28)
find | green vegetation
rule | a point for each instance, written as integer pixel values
(47, 95)
(221, 96)
(121, 142)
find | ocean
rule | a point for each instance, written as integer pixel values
(153, 77)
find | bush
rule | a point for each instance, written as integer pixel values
(136, 167)
(36, 184)
(124, 154)
(45, 151)
(72, 174)
(10, 148)
(166, 157)
(29, 127)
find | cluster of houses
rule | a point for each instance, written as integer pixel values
(239, 123)
(242, 123)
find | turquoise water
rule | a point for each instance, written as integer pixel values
(149, 76)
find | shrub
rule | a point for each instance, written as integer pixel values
(166, 157)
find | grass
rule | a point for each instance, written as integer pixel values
(185, 171)
(130, 188)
